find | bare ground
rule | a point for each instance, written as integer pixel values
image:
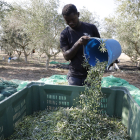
(31, 71)
(35, 70)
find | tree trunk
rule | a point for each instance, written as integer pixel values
(54, 58)
(19, 54)
(31, 54)
(26, 58)
(47, 63)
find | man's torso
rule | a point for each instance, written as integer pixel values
(71, 36)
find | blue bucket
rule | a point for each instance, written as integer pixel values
(92, 52)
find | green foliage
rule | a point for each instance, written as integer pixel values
(128, 28)
(109, 28)
(92, 95)
(89, 17)
(70, 124)
(45, 26)
(15, 35)
(102, 47)
(34, 26)
(4, 8)
(125, 27)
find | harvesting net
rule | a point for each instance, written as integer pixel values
(7, 88)
(55, 62)
(110, 81)
(55, 79)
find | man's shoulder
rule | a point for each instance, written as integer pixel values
(65, 31)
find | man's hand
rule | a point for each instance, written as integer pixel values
(83, 40)
(69, 53)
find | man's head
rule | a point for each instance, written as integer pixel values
(71, 15)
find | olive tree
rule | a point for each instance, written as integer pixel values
(15, 31)
(4, 9)
(45, 26)
(109, 28)
(128, 28)
(6, 42)
(89, 17)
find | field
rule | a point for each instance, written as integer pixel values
(35, 70)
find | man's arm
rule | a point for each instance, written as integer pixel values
(70, 53)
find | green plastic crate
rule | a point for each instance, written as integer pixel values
(120, 103)
(34, 97)
(39, 96)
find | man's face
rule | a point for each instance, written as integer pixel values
(72, 20)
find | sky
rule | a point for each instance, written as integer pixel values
(102, 8)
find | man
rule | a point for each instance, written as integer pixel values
(72, 40)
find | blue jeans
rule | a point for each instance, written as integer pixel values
(76, 81)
